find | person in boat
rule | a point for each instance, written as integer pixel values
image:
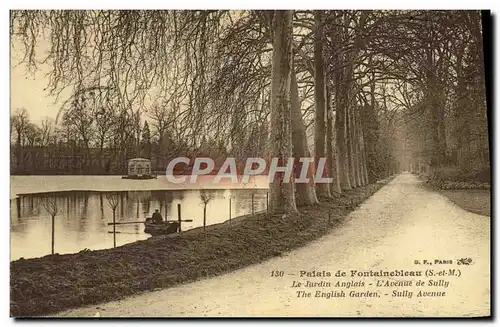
(157, 218)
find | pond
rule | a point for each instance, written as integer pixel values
(83, 217)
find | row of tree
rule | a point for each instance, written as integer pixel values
(102, 145)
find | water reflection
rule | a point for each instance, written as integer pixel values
(83, 216)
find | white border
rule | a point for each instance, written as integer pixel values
(226, 4)
(255, 4)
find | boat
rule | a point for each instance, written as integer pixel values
(139, 177)
(164, 228)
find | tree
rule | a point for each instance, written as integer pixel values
(146, 141)
(322, 189)
(341, 103)
(47, 129)
(306, 193)
(19, 122)
(331, 146)
(159, 114)
(50, 205)
(79, 119)
(104, 118)
(281, 192)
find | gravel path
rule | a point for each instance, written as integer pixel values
(399, 224)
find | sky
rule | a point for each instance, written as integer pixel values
(27, 89)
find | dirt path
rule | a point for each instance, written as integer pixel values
(399, 224)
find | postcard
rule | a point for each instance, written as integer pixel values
(250, 163)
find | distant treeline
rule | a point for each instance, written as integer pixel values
(66, 161)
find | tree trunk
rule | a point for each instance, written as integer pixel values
(353, 139)
(281, 197)
(340, 111)
(461, 124)
(370, 135)
(341, 133)
(435, 139)
(351, 128)
(355, 145)
(435, 112)
(322, 189)
(350, 143)
(359, 150)
(19, 153)
(359, 174)
(306, 193)
(332, 158)
(362, 153)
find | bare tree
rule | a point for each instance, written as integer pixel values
(113, 201)
(205, 199)
(47, 129)
(32, 135)
(20, 121)
(50, 205)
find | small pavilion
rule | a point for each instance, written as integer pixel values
(139, 167)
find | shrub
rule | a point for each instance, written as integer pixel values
(477, 174)
(456, 174)
(446, 174)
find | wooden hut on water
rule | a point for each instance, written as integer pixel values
(139, 168)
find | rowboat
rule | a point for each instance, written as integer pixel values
(163, 228)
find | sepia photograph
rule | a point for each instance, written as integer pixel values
(320, 163)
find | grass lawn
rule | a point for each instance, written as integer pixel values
(476, 201)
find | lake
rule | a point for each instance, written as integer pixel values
(84, 214)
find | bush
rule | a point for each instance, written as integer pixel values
(461, 185)
(446, 174)
(477, 174)
(456, 174)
